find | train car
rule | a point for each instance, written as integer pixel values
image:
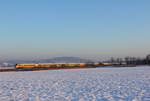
(49, 65)
(26, 66)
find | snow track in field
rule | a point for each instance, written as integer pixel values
(97, 84)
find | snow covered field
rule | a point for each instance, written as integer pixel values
(97, 84)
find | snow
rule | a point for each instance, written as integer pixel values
(7, 67)
(95, 84)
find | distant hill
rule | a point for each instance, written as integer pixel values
(53, 60)
(68, 59)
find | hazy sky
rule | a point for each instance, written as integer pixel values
(81, 28)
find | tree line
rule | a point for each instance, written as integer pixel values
(132, 60)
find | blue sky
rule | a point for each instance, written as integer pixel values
(95, 29)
